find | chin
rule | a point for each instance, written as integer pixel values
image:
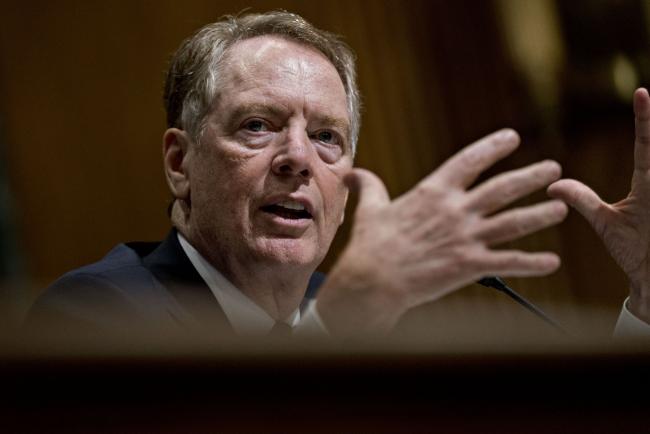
(287, 251)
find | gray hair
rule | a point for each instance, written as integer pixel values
(193, 76)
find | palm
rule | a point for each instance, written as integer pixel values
(623, 226)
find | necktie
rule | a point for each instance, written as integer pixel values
(280, 330)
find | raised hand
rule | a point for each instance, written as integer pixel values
(624, 226)
(437, 237)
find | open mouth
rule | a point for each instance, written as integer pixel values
(288, 210)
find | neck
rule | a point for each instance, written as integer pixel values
(276, 288)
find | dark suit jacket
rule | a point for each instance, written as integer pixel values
(143, 286)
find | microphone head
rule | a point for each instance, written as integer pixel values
(493, 282)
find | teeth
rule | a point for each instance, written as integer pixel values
(291, 205)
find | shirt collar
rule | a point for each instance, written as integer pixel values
(244, 315)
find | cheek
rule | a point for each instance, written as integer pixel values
(334, 190)
(227, 168)
(334, 202)
(220, 186)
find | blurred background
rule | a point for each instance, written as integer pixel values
(81, 121)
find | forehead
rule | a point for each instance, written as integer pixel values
(285, 70)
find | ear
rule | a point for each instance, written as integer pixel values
(175, 148)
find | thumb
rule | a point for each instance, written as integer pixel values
(369, 188)
(579, 196)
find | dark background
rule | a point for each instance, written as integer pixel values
(81, 120)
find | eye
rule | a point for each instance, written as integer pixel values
(255, 125)
(326, 136)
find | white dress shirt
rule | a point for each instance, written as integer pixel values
(629, 325)
(244, 315)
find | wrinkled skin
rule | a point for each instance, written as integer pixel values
(623, 226)
(278, 131)
(437, 237)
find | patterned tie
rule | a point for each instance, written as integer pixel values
(280, 330)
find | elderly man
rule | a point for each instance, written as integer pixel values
(263, 116)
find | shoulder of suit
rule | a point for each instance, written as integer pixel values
(116, 290)
(119, 272)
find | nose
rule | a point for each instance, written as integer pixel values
(295, 155)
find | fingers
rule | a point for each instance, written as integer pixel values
(370, 188)
(514, 224)
(503, 189)
(579, 196)
(515, 263)
(641, 102)
(463, 168)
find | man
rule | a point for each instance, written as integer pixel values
(263, 116)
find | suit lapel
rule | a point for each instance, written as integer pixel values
(173, 269)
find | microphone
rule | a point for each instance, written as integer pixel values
(498, 284)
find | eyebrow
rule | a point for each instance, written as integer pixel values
(243, 109)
